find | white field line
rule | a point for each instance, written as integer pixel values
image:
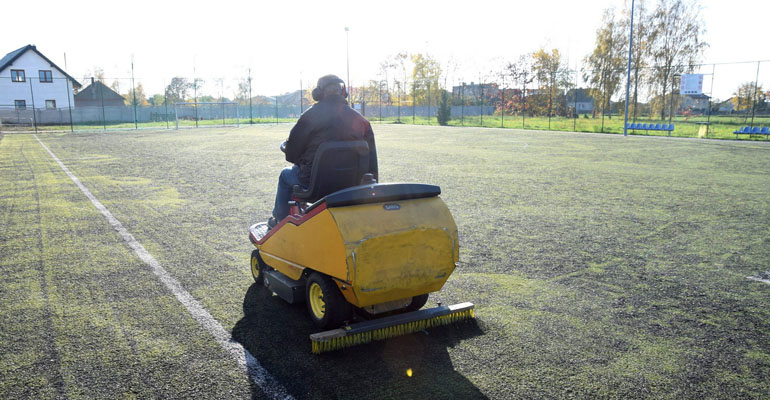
(754, 278)
(246, 362)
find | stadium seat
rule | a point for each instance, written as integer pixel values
(643, 126)
(755, 130)
(765, 130)
(664, 127)
(657, 127)
(671, 127)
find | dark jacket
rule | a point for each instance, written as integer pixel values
(329, 119)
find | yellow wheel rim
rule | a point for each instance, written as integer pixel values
(316, 300)
(255, 267)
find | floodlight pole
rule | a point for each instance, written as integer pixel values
(133, 89)
(628, 74)
(347, 52)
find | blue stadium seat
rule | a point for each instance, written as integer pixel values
(671, 127)
(657, 127)
(765, 130)
(643, 126)
(664, 127)
(755, 130)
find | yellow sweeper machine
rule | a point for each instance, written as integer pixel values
(363, 255)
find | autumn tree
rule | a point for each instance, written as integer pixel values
(605, 67)
(521, 73)
(675, 45)
(426, 75)
(136, 96)
(747, 97)
(177, 90)
(550, 73)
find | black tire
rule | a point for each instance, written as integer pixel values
(417, 302)
(327, 307)
(257, 267)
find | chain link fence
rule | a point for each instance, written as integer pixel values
(734, 96)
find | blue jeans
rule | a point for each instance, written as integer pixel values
(286, 181)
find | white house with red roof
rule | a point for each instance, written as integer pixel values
(29, 80)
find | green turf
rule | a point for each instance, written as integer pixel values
(601, 266)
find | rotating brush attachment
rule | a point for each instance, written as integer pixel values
(388, 327)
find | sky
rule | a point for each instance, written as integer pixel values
(288, 44)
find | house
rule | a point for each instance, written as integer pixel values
(26, 74)
(475, 90)
(698, 103)
(581, 100)
(97, 94)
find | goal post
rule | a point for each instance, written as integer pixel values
(196, 114)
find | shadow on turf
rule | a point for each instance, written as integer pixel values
(277, 335)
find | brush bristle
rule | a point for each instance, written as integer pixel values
(320, 346)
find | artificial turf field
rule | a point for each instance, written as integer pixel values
(600, 266)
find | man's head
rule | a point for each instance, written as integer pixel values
(329, 85)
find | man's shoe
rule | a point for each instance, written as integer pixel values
(271, 223)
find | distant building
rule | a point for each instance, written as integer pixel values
(98, 94)
(488, 90)
(581, 100)
(26, 73)
(698, 103)
(726, 106)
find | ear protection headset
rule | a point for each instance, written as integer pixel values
(318, 91)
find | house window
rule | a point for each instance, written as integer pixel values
(20, 104)
(17, 75)
(50, 104)
(45, 76)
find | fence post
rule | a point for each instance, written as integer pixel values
(34, 113)
(754, 98)
(413, 97)
(101, 95)
(462, 102)
(165, 103)
(711, 94)
(133, 89)
(428, 102)
(69, 102)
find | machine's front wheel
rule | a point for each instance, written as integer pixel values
(326, 305)
(257, 271)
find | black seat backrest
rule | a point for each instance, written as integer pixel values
(336, 166)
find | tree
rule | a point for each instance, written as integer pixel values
(242, 93)
(675, 44)
(157, 100)
(177, 90)
(605, 66)
(748, 96)
(426, 75)
(550, 74)
(521, 74)
(444, 109)
(137, 94)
